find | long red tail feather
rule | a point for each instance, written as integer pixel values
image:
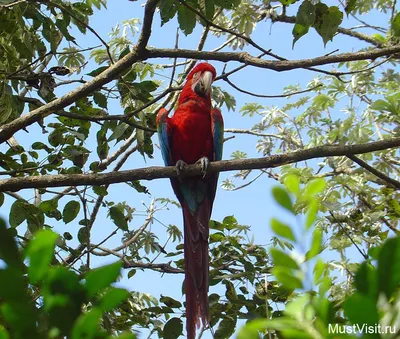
(196, 266)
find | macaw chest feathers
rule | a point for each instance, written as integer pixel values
(191, 137)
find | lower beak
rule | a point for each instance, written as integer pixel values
(203, 86)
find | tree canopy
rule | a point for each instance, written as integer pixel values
(74, 114)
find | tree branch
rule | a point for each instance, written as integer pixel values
(274, 65)
(7, 130)
(165, 268)
(150, 173)
(141, 53)
(269, 96)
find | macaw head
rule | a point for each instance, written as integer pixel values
(201, 78)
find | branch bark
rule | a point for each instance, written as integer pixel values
(141, 53)
(150, 173)
(284, 65)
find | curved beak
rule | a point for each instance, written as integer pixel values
(203, 86)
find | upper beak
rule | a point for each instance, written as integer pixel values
(203, 86)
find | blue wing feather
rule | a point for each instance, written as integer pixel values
(162, 129)
(217, 125)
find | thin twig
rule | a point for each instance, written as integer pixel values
(270, 96)
(374, 171)
(365, 255)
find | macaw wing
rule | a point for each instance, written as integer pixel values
(217, 127)
(163, 136)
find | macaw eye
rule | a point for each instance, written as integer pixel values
(196, 75)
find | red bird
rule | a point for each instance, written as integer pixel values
(194, 134)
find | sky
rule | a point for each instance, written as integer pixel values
(252, 205)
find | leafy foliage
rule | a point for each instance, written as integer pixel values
(313, 314)
(60, 312)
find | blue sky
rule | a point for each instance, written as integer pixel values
(252, 205)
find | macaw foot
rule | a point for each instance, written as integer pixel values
(204, 165)
(180, 164)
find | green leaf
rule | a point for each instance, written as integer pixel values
(396, 25)
(389, 267)
(316, 243)
(126, 335)
(225, 328)
(252, 329)
(13, 285)
(100, 99)
(40, 145)
(282, 259)
(314, 187)
(5, 102)
(318, 270)
(124, 53)
(3, 332)
(173, 328)
(230, 222)
(1, 199)
(87, 324)
(71, 211)
(17, 213)
(40, 252)
(356, 302)
(292, 183)
(282, 229)
(102, 151)
(47, 206)
(63, 27)
(380, 105)
(365, 280)
(304, 19)
(286, 277)
(168, 9)
(312, 211)
(379, 38)
(97, 71)
(118, 131)
(34, 217)
(350, 6)
(56, 138)
(306, 13)
(131, 273)
(186, 19)
(118, 218)
(282, 198)
(100, 190)
(8, 248)
(327, 21)
(208, 8)
(63, 298)
(52, 35)
(170, 302)
(83, 235)
(112, 298)
(100, 278)
(227, 4)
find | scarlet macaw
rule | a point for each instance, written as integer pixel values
(194, 134)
